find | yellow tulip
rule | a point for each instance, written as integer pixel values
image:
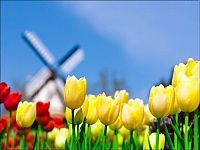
(152, 139)
(79, 113)
(179, 72)
(61, 137)
(118, 123)
(75, 91)
(110, 135)
(91, 116)
(97, 128)
(52, 134)
(148, 117)
(119, 140)
(26, 114)
(187, 94)
(175, 108)
(161, 100)
(133, 113)
(125, 133)
(121, 96)
(186, 82)
(107, 109)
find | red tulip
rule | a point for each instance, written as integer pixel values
(4, 91)
(3, 123)
(43, 119)
(49, 126)
(12, 101)
(14, 125)
(58, 120)
(42, 108)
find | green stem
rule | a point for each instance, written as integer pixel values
(9, 122)
(115, 143)
(157, 133)
(73, 131)
(196, 129)
(22, 140)
(104, 138)
(131, 139)
(89, 133)
(186, 131)
(169, 141)
(78, 137)
(175, 136)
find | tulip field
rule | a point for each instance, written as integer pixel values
(170, 120)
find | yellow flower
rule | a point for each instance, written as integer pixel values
(148, 117)
(161, 100)
(92, 116)
(107, 109)
(186, 82)
(118, 123)
(52, 134)
(187, 94)
(75, 91)
(61, 137)
(179, 72)
(26, 114)
(133, 113)
(110, 135)
(152, 139)
(125, 133)
(121, 96)
(97, 128)
(79, 114)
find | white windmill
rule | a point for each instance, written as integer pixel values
(48, 83)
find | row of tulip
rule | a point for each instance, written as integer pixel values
(169, 120)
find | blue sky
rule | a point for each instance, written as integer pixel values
(137, 41)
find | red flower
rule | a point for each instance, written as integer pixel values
(58, 120)
(43, 119)
(12, 101)
(4, 91)
(14, 125)
(42, 108)
(3, 123)
(49, 126)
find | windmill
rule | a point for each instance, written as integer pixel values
(48, 83)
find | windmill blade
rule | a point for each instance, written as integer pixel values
(39, 48)
(75, 58)
(37, 82)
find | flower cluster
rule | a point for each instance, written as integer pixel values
(170, 120)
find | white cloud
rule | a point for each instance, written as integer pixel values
(135, 27)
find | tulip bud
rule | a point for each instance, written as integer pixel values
(97, 128)
(61, 137)
(12, 101)
(92, 116)
(107, 109)
(133, 113)
(125, 133)
(161, 100)
(79, 113)
(152, 139)
(4, 91)
(52, 134)
(26, 114)
(74, 93)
